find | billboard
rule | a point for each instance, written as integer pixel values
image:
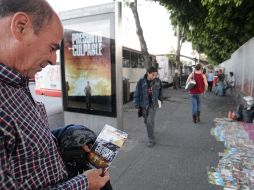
(88, 64)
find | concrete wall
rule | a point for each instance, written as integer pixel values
(242, 64)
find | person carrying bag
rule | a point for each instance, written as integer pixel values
(196, 91)
(191, 83)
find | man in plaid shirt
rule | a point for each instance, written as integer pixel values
(30, 34)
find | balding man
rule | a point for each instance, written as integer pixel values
(30, 35)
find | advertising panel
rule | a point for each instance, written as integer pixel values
(88, 65)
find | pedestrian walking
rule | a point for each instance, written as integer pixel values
(146, 96)
(196, 91)
(210, 78)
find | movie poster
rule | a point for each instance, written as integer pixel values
(88, 64)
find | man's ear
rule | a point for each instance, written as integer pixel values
(20, 24)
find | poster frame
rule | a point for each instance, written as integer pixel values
(106, 9)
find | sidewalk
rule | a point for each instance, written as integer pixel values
(183, 151)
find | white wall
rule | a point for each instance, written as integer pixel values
(242, 64)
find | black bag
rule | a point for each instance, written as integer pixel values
(247, 116)
(70, 140)
(140, 112)
(239, 112)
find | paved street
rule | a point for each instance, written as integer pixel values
(183, 150)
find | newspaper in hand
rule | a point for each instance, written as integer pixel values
(159, 104)
(106, 147)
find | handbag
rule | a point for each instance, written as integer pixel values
(191, 84)
(70, 140)
(140, 112)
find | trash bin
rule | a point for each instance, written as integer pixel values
(248, 116)
(128, 95)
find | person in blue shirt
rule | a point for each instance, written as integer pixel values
(210, 77)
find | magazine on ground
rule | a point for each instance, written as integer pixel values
(106, 147)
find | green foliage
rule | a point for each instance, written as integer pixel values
(215, 27)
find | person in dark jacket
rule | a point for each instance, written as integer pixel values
(147, 98)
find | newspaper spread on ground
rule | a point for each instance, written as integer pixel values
(235, 169)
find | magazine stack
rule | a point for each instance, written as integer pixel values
(236, 165)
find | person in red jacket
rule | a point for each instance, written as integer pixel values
(195, 92)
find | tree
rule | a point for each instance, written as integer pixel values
(180, 40)
(216, 28)
(139, 31)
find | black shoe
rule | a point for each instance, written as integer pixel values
(151, 143)
(198, 116)
(194, 119)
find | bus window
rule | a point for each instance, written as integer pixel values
(134, 60)
(126, 58)
(141, 61)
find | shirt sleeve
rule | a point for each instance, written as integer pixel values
(7, 145)
(7, 140)
(136, 97)
(79, 182)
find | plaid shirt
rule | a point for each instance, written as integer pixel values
(29, 158)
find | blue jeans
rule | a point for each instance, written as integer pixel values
(196, 102)
(219, 89)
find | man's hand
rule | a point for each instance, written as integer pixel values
(139, 110)
(86, 148)
(95, 180)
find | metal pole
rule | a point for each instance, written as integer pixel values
(119, 68)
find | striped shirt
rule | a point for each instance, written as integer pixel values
(29, 158)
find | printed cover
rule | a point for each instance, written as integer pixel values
(106, 146)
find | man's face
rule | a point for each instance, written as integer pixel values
(39, 50)
(152, 76)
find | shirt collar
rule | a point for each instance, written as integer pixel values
(12, 77)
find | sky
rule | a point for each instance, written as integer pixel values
(154, 19)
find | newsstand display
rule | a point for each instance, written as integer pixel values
(235, 170)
